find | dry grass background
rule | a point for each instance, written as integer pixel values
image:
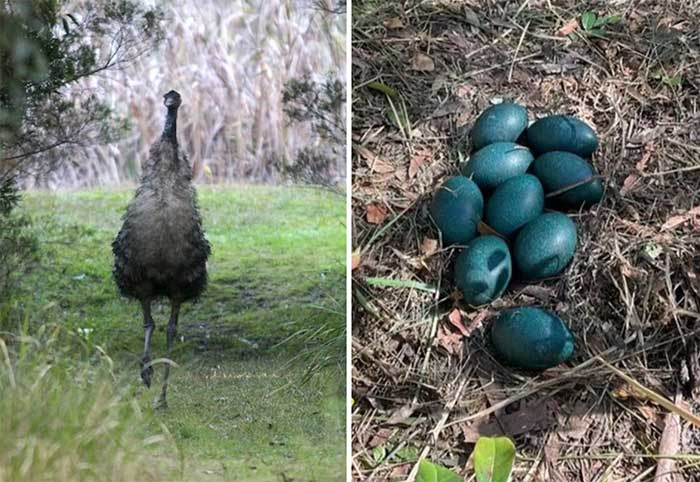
(230, 60)
(423, 385)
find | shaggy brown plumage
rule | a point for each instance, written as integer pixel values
(161, 250)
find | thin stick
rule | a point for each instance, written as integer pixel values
(517, 50)
(573, 186)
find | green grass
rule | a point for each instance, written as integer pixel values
(237, 408)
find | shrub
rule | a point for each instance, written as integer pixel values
(321, 105)
(18, 244)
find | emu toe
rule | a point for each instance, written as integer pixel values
(146, 370)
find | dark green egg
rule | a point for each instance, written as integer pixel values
(559, 169)
(492, 165)
(457, 208)
(562, 133)
(499, 123)
(514, 203)
(483, 269)
(531, 338)
(545, 245)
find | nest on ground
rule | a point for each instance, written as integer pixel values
(425, 383)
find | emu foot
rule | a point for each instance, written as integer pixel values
(161, 404)
(146, 370)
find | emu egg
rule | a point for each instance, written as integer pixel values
(514, 203)
(531, 338)
(499, 123)
(558, 170)
(562, 133)
(483, 269)
(457, 208)
(545, 245)
(492, 165)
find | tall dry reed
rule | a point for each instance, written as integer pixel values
(230, 60)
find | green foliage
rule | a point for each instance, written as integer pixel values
(675, 80)
(493, 459)
(595, 26)
(44, 50)
(18, 245)
(321, 104)
(430, 472)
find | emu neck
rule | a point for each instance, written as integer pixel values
(170, 130)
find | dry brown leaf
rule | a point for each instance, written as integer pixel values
(652, 415)
(401, 415)
(400, 471)
(536, 416)
(379, 438)
(422, 63)
(578, 424)
(356, 259)
(568, 27)
(476, 320)
(429, 246)
(376, 214)
(375, 162)
(484, 228)
(465, 91)
(679, 219)
(452, 342)
(394, 23)
(631, 180)
(416, 162)
(455, 318)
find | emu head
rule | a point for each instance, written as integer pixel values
(172, 99)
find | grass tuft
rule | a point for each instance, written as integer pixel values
(64, 419)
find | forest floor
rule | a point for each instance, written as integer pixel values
(424, 381)
(238, 409)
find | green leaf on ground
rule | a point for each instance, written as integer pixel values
(672, 80)
(596, 32)
(384, 89)
(430, 472)
(607, 20)
(493, 459)
(588, 20)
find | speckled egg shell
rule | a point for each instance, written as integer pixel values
(499, 123)
(496, 163)
(562, 133)
(558, 170)
(545, 246)
(531, 338)
(514, 203)
(483, 270)
(456, 209)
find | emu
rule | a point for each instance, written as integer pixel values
(161, 250)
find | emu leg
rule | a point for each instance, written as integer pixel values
(172, 333)
(148, 326)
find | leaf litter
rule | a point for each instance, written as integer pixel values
(638, 313)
